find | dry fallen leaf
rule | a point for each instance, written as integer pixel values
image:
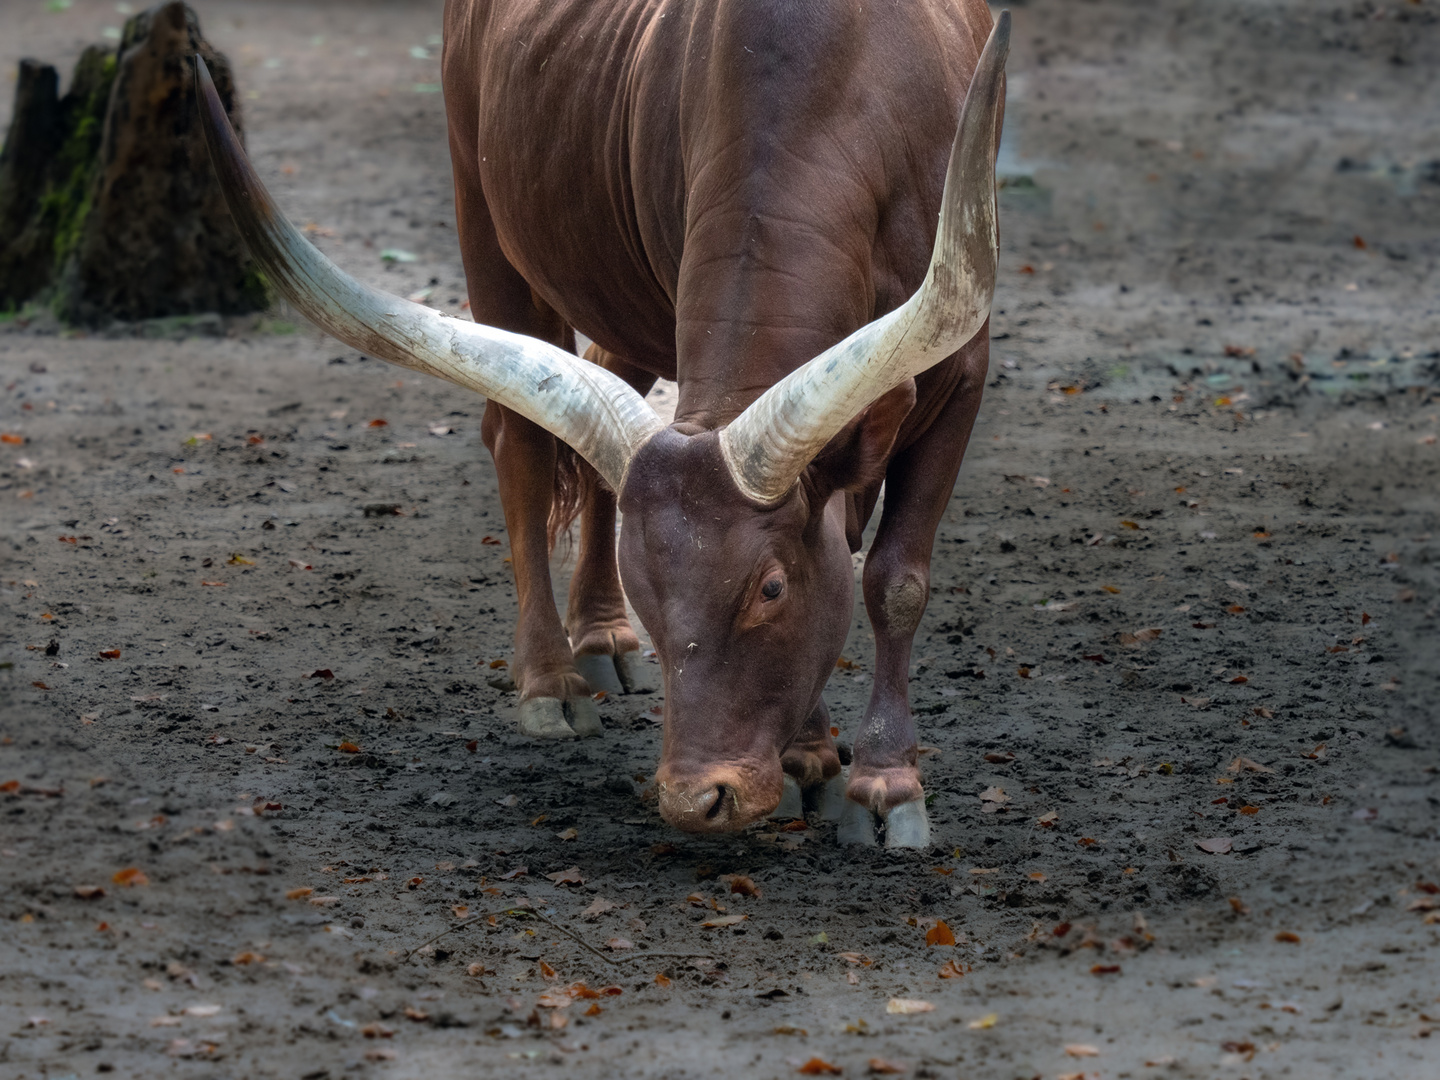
(1244, 764)
(619, 944)
(953, 970)
(819, 1067)
(741, 885)
(662, 980)
(131, 875)
(1082, 1050)
(985, 1023)
(1140, 637)
(908, 1006)
(571, 876)
(599, 906)
(298, 894)
(1288, 936)
(1105, 969)
(1218, 845)
(723, 920)
(89, 892)
(940, 934)
(881, 1067)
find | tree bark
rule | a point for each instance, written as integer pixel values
(108, 206)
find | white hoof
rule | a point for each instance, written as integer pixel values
(832, 798)
(637, 675)
(598, 669)
(543, 718)
(908, 826)
(857, 825)
(792, 802)
(584, 717)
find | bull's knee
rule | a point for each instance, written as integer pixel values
(902, 602)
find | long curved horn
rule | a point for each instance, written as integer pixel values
(770, 443)
(595, 412)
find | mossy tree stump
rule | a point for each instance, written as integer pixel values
(108, 205)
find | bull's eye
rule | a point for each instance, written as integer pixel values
(772, 588)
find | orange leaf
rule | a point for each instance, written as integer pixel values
(377, 422)
(546, 971)
(939, 934)
(1248, 810)
(348, 748)
(952, 970)
(594, 1010)
(1105, 969)
(819, 1067)
(662, 980)
(298, 894)
(742, 885)
(110, 654)
(12, 439)
(131, 875)
(1288, 937)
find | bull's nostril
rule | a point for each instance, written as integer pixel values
(718, 805)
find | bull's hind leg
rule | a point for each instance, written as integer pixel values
(885, 774)
(555, 701)
(607, 650)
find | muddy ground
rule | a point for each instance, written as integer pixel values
(1212, 414)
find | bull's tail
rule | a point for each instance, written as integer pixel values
(574, 479)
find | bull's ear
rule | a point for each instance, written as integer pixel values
(855, 459)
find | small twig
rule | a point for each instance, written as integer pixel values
(564, 930)
(459, 926)
(572, 936)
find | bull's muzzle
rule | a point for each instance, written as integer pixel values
(718, 798)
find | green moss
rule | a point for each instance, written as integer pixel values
(66, 202)
(256, 289)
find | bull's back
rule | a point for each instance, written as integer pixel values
(614, 140)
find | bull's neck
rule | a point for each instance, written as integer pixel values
(761, 297)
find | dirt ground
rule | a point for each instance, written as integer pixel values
(1188, 580)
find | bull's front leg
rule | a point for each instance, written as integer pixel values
(885, 774)
(555, 700)
(812, 770)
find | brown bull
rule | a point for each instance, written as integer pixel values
(741, 196)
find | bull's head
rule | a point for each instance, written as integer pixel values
(733, 547)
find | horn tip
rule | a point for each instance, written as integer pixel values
(1002, 30)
